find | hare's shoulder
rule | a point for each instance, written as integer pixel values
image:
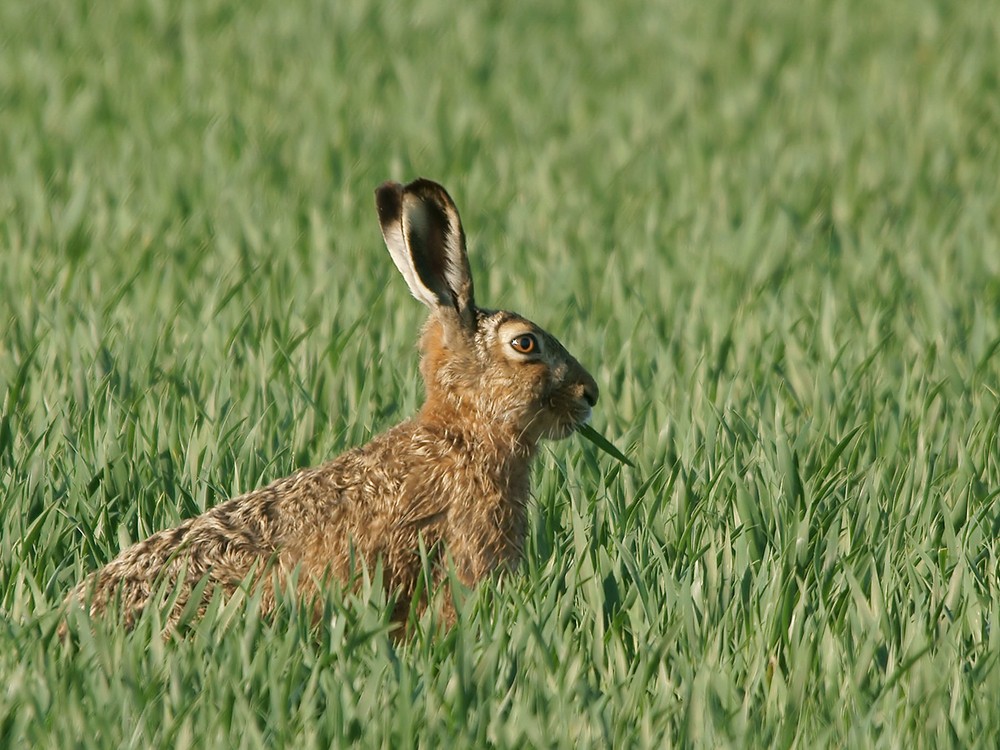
(374, 467)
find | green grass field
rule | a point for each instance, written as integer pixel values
(771, 231)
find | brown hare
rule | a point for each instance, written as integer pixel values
(453, 480)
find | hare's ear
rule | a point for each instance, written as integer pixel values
(424, 235)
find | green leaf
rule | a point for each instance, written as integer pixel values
(603, 443)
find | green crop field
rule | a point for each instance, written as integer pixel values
(770, 230)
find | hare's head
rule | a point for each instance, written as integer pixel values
(494, 371)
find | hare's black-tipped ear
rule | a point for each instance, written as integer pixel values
(424, 235)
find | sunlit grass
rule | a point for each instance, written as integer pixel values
(770, 232)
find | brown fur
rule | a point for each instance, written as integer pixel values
(455, 478)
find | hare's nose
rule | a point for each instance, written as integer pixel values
(590, 391)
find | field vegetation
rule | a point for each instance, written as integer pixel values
(770, 230)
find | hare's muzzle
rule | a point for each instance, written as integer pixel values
(585, 392)
(590, 391)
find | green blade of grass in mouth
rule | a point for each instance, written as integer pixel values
(603, 443)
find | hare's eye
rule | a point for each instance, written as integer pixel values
(525, 343)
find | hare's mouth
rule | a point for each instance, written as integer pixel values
(569, 421)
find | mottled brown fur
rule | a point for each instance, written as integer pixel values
(455, 478)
